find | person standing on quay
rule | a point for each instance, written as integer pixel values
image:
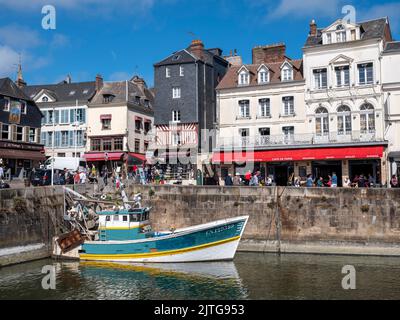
(334, 180)
(237, 180)
(228, 180)
(310, 182)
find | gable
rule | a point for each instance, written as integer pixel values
(340, 59)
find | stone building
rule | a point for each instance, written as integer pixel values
(185, 101)
(120, 118)
(20, 122)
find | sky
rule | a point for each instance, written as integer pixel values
(122, 38)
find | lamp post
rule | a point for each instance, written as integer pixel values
(52, 146)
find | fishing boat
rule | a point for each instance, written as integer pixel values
(125, 235)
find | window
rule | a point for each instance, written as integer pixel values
(320, 79)
(45, 99)
(61, 155)
(288, 132)
(181, 71)
(118, 144)
(137, 100)
(146, 146)
(64, 138)
(96, 145)
(147, 126)
(32, 135)
(244, 78)
(108, 218)
(23, 107)
(365, 73)
(176, 116)
(116, 217)
(344, 120)
(5, 132)
(342, 76)
(125, 218)
(264, 132)
(106, 124)
(328, 38)
(64, 116)
(138, 125)
(176, 92)
(288, 106)
(5, 104)
(50, 117)
(340, 33)
(287, 73)
(107, 145)
(265, 109)
(20, 133)
(367, 118)
(353, 35)
(176, 139)
(78, 115)
(167, 72)
(244, 135)
(322, 122)
(50, 138)
(263, 76)
(244, 109)
(108, 98)
(137, 145)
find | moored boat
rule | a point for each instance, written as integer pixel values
(126, 235)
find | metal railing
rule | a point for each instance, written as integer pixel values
(299, 139)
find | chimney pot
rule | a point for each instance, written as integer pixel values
(99, 82)
(313, 28)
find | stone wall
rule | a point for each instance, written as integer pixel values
(363, 218)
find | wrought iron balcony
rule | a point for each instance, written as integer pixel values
(298, 139)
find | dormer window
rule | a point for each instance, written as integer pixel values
(244, 77)
(263, 75)
(108, 98)
(287, 72)
(5, 104)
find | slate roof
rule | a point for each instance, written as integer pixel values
(231, 78)
(185, 56)
(10, 89)
(118, 90)
(65, 92)
(392, 47)
(369, 30)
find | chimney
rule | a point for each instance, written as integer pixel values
(197, 48)
(269, 54)
(99, 82)
(313, 28)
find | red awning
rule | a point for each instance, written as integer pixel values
(375, 152)
(138, 156)
(106, 117)
(94, 157)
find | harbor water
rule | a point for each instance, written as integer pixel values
(250, 276)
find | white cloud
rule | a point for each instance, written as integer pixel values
(306, 8)
(81, 5)
(19, 37)
(8, 60)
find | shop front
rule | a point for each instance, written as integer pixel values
(17, 157)
(284, 165)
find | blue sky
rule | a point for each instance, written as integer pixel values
(121, 38)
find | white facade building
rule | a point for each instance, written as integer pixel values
(64, 125)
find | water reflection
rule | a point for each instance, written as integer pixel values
(251, 276)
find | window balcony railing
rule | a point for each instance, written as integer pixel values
(298, 139)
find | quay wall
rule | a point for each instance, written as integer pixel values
(286, 220)
(292, 220)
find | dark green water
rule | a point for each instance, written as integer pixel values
(250, 276)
